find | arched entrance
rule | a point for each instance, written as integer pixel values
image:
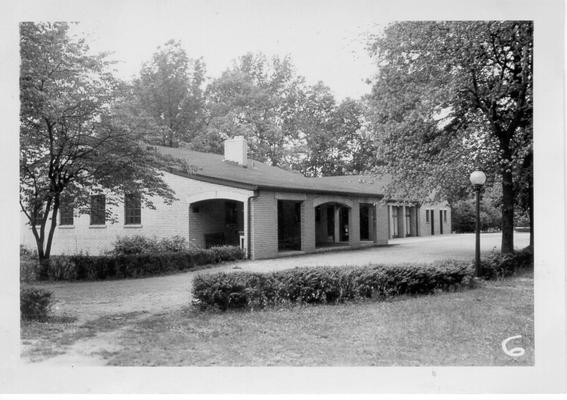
(333, 224)
(218, 219)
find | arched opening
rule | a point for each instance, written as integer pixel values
(217, 222)
(332, 224)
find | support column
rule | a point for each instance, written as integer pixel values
(402, 231)
(246, 228)
(372, 223)
(337, 224)
(390, 222)
(382, 226)
(307, 225)
(354, 224)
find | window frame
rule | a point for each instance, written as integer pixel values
(132, 212)
(93, 214)
(66, 206)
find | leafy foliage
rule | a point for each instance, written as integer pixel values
(35, 303)
(139, 244)
(168, 100)
(327, 285)
(257, 99)
(70, 142)
(497, 266)
(451, 97)
(463, 216)
(136, 265)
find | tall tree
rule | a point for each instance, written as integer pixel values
(69, 144)
(453, 96)
(169, 95)
(258, 99)
(335, 138)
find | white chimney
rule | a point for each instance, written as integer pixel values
(236, 150)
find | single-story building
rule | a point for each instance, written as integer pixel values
(268, 211)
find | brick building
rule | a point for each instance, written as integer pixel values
(266, 210)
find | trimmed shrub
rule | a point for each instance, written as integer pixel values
(327, 285)
(497, 266)
(86, 267)
(148, 245)
(35, 303)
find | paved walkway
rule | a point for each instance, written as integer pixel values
(89, 300)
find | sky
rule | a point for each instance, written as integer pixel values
(326, 40)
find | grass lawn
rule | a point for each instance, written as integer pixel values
(461, 328)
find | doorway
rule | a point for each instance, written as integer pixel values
(289, 225)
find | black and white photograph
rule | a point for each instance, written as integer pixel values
(284, 186)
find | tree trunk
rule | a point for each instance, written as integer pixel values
(43, 273)
(507, 213)
(531, 211)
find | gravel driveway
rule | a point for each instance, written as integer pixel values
(89, 300)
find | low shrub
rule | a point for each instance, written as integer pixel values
(138, 244)
(35, 303)
(327, 285)
(87, 267)
(497, 266)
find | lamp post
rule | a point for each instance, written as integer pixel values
(477, 179)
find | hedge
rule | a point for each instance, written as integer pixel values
(327, 285)
(139, 244)
(497, 266)
(86, 267)
(35, 303)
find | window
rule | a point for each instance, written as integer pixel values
(98, 209)
(132, 209)
(445, 215)
(66, 212)
(427, 216)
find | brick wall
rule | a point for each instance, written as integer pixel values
(164, 221)
(307, 225)
(425, 227)
(382, 225)
(264, 225)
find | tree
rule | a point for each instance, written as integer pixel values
(168, 95)
(450, 97)
(335, 140)
(70, 144)
(257, 99)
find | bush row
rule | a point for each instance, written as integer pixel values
(138, 244)
(86, 267)
(497, 265)
(327, 285)
(35, 303)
